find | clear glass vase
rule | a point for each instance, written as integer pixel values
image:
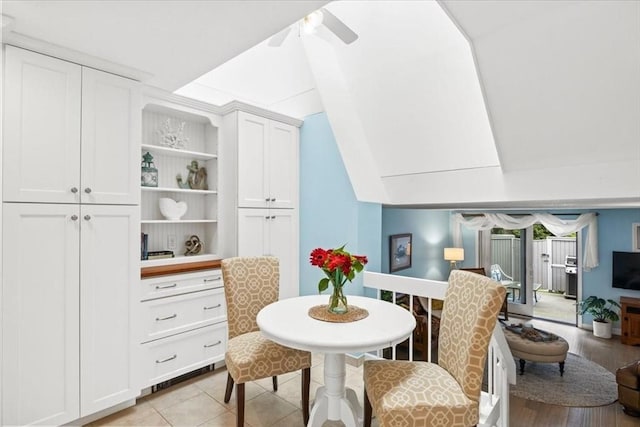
(337, 301)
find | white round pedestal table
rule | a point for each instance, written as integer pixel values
(287, 322)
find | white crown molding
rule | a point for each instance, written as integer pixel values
(154, 92)
(41, 46)
(252, 109)
(227, 108)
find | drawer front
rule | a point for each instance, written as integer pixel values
(164, 286)
(178, 354)
(172, 315)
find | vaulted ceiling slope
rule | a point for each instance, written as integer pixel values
(561, 85)
(166, 43)
(439, 104)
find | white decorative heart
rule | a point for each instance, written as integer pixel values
(171, 209)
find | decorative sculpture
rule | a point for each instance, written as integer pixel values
(173, 138)
(196, 179)
(194, 245)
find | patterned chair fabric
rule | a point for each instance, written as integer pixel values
(250, 284)
(447, 394)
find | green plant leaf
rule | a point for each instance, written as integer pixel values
(323, 285)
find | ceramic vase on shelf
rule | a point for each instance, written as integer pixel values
(337, 301)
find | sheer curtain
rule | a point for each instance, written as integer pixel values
(559, 227)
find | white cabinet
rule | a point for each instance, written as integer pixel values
(70, 132)
(70, 246)
(265, 212)
(272, 232)
(199, 130)
(109, 273)
(267, 163)
(67, 287)
(184, 324)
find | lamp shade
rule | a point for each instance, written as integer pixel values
(454, 254)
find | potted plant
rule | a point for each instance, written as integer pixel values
(603, 313)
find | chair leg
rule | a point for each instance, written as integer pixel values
(368, 410)
(227, 393)
(306, 383)
(240, 405)
(275, 383)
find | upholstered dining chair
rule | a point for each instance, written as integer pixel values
(504, 309)
(250, 284)
(403, 393)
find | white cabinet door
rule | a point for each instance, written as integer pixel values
(111, 115)
(40, 314)
(253, 188)
(283, 243)
(252, 232)
(282, 165)
(109, 274)
(41, 128)
(272, 232)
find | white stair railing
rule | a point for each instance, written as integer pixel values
(501, 368)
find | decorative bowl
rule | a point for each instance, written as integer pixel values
(172, 210)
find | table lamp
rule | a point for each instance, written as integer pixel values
(453, 255)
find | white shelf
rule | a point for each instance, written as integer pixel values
(177, 221)
(178, 259)
(179, 153)
(178, 190)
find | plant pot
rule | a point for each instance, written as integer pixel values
(602, 329)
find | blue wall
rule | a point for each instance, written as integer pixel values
(614, 234)
(330, 215)
(431, 233)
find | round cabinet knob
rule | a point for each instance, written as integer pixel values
(74, 217)
(273, 199)
(87, 217)
(87, 190)
(74, 190)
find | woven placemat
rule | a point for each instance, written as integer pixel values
(321, 312)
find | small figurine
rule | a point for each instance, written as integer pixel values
(181, 184)
(197, 178)
(194, 245)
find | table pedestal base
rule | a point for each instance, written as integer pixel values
(333, 400)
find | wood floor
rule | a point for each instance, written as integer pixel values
(611, 354)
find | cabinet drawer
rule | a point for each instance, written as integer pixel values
(172, 315)
(178, 354)
(164, 286)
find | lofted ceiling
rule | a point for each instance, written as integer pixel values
(450, 103)
(167, 42)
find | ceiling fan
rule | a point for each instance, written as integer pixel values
(311, 22)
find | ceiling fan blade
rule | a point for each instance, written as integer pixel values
(278, 39)
(338, 27)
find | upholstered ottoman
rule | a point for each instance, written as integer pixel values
(537, 351)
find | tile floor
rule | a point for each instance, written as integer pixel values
(199, 401)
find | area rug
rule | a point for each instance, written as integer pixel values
(584, 383)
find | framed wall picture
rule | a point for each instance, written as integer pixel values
(635, 240)
(399, 252)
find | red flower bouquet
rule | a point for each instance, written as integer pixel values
(339, 266)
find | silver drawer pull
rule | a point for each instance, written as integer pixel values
(167, 286)
(167, 359)
(212, 345)
(212, 307)
(173, 316)
(217, 279)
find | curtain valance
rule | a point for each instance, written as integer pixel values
(559, 227)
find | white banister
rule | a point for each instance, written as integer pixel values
(501, 368)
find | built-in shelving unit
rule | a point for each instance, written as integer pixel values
(200, 130)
